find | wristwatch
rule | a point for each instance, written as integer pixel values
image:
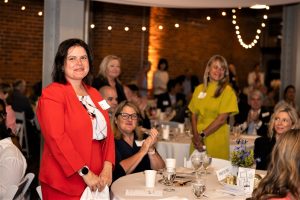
(84, 171)
(202, 134)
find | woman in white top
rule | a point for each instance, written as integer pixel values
(161, 77)
(12, 162)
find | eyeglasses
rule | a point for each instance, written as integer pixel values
(126, 116)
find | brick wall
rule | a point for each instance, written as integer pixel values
(21, 41)
(189, 46)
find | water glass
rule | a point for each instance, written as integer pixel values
(169, 175)
(198, 188)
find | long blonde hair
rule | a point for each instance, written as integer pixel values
(283, 175)
(221, 83)
(104, 64)
(287, 109)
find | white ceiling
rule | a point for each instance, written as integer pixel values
(201, 3)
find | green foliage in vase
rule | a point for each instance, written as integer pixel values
(241, 156)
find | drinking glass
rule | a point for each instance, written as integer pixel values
(206, 162)
(197, 161)
(169, 175)
(198, 188)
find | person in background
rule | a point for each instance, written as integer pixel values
(12, 162)
(211, 104)
(111, 97)
(283, 119)
(289, 97)
(78, 142)
(141, 78)
(173, 97)
(109, 72)
(283, 175)
(131, 156)
(132, 94)
(189, 82)
(5, 93)
(256, 119)
(160, 77)
(20, 102)
(256, 79)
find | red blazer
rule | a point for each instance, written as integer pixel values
(67, 130)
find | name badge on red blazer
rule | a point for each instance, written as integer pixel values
(103, 104)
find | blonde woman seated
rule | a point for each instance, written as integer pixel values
(283, 119)
(130, 156)
(283, 177)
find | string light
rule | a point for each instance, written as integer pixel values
(223, 13)
(109, 28)
(40, 13)
(23, 8)
(5, 1)
(144, 28)
(92, 26)
(208, 18)
(160, 27)
(126, 28)
(238, 33)
(176, 25)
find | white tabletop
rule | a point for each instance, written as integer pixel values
(137, 182)
(178, 146)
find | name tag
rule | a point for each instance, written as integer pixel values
(202, 95)
(103, 104)
(165, 103)
(265, 114)
(223, 173)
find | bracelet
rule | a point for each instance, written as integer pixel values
(151, 152)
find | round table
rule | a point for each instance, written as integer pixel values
(136, 182)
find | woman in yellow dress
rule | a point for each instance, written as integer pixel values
(211, 104)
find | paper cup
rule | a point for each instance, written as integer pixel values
(170, 163)
(165, 134)
(181, 128)
(150, 176)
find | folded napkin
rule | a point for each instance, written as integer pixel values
(184, 170)
(89, 195)
(174, 198)
(144, 192)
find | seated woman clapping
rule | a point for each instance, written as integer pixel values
(131, 156)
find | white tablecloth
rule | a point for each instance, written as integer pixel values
(137, 182)
(179, 147)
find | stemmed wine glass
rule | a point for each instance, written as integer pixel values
(206, 162)
(197, 162)
(169, 175)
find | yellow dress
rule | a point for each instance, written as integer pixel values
(207, 108)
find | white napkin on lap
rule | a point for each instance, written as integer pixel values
(89, 195)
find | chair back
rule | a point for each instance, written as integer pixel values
(23, 186)
(22, 132)
(39, 191)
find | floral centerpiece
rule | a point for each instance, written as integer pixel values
(240, 156)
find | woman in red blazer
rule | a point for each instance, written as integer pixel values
(78, 141)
